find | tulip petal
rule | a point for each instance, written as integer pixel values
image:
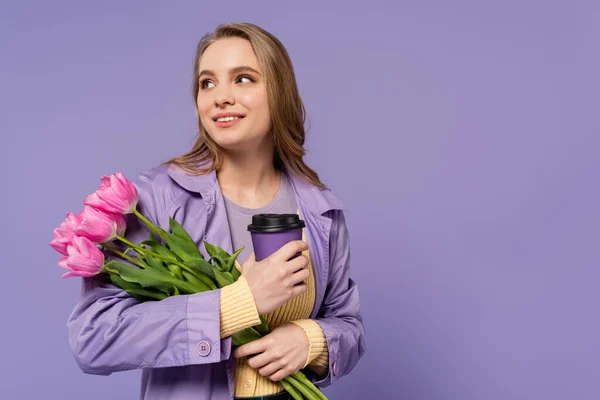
(79, 262)
(72, 220)
(81, 274)
(105, 181)
(63, 262)
(59, 247)
(97, 225)
(116, 195)
(93, 200)
(60, 241)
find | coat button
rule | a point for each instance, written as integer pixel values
(248, 383)
(203, 348)
(335, 369)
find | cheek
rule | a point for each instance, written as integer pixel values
(203, 104)
(204, 109)
(258, 103)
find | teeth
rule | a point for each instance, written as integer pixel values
(226, 119)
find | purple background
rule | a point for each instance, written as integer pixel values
(461, 136)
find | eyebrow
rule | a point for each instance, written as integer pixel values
(232, 71)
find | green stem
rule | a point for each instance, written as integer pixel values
(150, 225)
(290, 389)
(302, 379)
(125, 256)
(165, 237)
(306, 392)
(134, 246)
(142, 250)
(192, 271)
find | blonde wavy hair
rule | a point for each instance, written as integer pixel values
(285, 105)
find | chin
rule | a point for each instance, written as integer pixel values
(230, 141)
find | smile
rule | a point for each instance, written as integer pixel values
(225, 119)
(226, 122)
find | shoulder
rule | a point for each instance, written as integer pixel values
(157, 191)
(319, 201)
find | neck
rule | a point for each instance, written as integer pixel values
(250, 180)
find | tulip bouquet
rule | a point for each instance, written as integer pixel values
(167, 264)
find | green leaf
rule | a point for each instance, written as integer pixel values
(244, 336)
(202, 266)
(231, 261)
(135, 290)
(219, 263)
(182, 234)
(175, 291)
(140, 294)
(213, 250)
(196, 281)
(154, 262)
(122, 283)
(176, 270)
(160, 249)
(151, 278)
(203, 278)
(223, 278)
(263, 328)
(235, 273)
(127, 250)
(182, 248)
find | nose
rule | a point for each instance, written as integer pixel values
(223, 97)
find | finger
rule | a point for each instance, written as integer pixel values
(297, 263)
(261, 360)
(289, 249)
(298, 276)
(270, 368)
(299, 288)
(254, 347)
(279, 375)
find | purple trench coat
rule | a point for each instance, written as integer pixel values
(176, 342)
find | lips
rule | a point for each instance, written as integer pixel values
(226, 115)
(228, 122)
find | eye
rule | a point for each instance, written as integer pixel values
(204, 82)
(245, 77)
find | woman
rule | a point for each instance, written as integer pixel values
(246, 160)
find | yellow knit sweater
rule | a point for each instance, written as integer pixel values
(238, 311)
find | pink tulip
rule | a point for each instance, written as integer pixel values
(83, 258)
(116, 194)
(99, 226)
(62, 238)
(64, 233)
(72, 220)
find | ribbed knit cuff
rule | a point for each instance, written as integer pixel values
(317, 344)
(238, 309)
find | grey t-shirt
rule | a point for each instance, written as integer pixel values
(240, 217)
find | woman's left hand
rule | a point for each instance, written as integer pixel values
(279, 354)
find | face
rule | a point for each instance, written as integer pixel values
(232, 98)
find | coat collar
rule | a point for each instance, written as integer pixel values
(316, 200)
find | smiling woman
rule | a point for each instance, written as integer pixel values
(231, 88)
(242, 70)
(247, 160)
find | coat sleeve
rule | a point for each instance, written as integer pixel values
(339, 316)
(110, 331)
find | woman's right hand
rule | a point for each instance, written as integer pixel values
(275, 280)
